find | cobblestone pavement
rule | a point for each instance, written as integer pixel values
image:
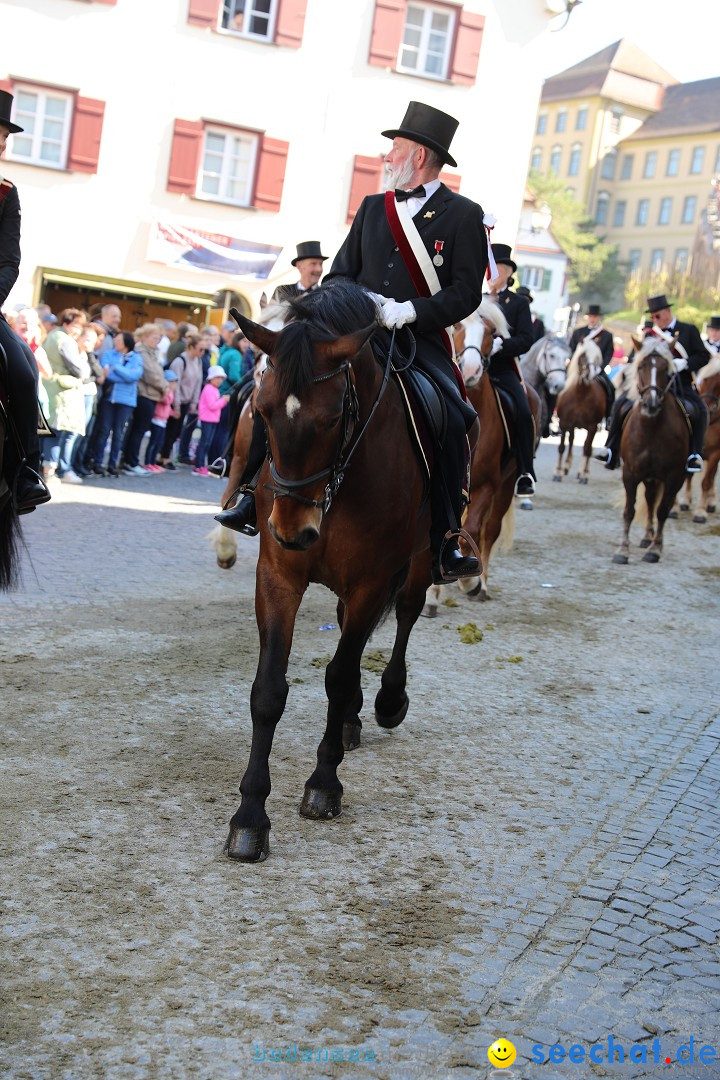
(533, 854)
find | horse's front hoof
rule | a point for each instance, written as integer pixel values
(526, 504)
(645, 543)
(582, 479)
(227, 564)
(651, 556)
(711, 508)
(248, 844)
(684, 506)
(699, 519)
(673, 514)
(321, 805)
(557, 479)
(622, 560)
(475, 592)
(351, 736)
(429, 611)
(395, 720)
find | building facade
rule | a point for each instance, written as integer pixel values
(175, 152)
(639, 150)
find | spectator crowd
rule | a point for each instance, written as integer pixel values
(122, 401)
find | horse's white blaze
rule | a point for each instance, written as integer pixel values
(292, 407)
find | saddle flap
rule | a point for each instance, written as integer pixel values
(424, 395)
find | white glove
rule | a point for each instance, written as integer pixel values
(680, 362)
(396, 315)
(497, 345)
(377, 298)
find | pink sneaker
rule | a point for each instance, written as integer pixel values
(201, 472)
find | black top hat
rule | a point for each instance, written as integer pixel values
(502, 255)
(309, 249)
(427, 126)
(657, 303)
(522, 290)
(6, 102)
(714, 323)
(594, 309)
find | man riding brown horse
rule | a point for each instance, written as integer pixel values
(689, 355)
(596, 332)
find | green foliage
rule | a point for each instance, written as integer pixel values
(593, 268)
(691, 302)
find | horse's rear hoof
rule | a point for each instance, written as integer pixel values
(476, 592)
(429, 611)
(351, 736)
(684, 506)
(248, 845)
(557, 479)
(526, 504)
(622, 560)
(321, 805)
(699, 519)
(397, 719)
(645, 543)
(227, 564)
(711, 508)
(651, 556)
(673, 514)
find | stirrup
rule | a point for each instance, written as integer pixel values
(694, 464)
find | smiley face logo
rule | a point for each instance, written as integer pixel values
(502, 1053)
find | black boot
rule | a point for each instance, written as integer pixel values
(241, 518)
(30, 489)
(452, 565)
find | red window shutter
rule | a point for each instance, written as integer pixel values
(270, 174)
(387, 32)
(366, 180)
(204, 12)
(451, 180)
(185, 156)
(111, 2)
(290, 23)
(87, 123)
(6, 85)
(466, 54)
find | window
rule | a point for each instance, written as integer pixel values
(650, 164)
(536, 159)
(615, 121)
(627, 167)
(665, 211)
(561, 120)
(425, 47)
(619, 215)
(541, 124)
(227, 166)
(536, 278)
(657, 257)
(608, 164)
(634, 257)
(697, 161)
(251, 18)
(680, 262)
(601, 208)
(575, 153)
(555, 156)
(673, 163)
(689, 209)
(643, 208)
(45, 115)
(581, 119)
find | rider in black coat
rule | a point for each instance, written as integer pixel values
(690, 355)
(604, 340)
(22, 373)
(504, 368)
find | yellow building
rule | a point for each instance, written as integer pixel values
(637, 148)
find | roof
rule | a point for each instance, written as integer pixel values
(688, 108)
(592, 75)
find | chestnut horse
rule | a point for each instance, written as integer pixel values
(654, 447)
(330, 510)
(582, 403)
(708, 380)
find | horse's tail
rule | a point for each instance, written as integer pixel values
(641, 507)
(10, 536)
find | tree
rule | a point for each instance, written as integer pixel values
(593, 268)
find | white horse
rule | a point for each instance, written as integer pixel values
(543, 367)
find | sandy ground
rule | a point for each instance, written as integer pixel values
(458, 896)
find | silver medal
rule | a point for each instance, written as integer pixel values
(438, 259)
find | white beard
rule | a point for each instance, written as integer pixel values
(399, 178)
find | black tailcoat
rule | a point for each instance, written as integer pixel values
(603, 340)
(689, 337)
(516, 310)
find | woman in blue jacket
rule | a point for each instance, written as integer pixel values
(123, 368)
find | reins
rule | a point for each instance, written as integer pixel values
(282, 487)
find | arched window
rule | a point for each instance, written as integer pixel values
(555, 155)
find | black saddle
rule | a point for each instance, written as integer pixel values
(430, 401)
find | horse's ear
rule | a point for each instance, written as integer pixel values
(343, 348)
(259, 335)
(637, 343)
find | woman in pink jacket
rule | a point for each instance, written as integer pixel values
(210, 406)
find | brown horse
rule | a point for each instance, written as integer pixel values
(582, 403)
(330, 510)
(654, 447)
(708, 380)
(493, 473)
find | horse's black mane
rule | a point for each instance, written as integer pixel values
(318, 315)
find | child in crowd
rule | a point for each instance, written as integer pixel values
(210, 407)
(159, 423)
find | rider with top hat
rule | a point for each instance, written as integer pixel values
(309, 262)
(689, 354)
(712, 341)
(596, 332)
(22, 373)
(504, 368)
(422, 250)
